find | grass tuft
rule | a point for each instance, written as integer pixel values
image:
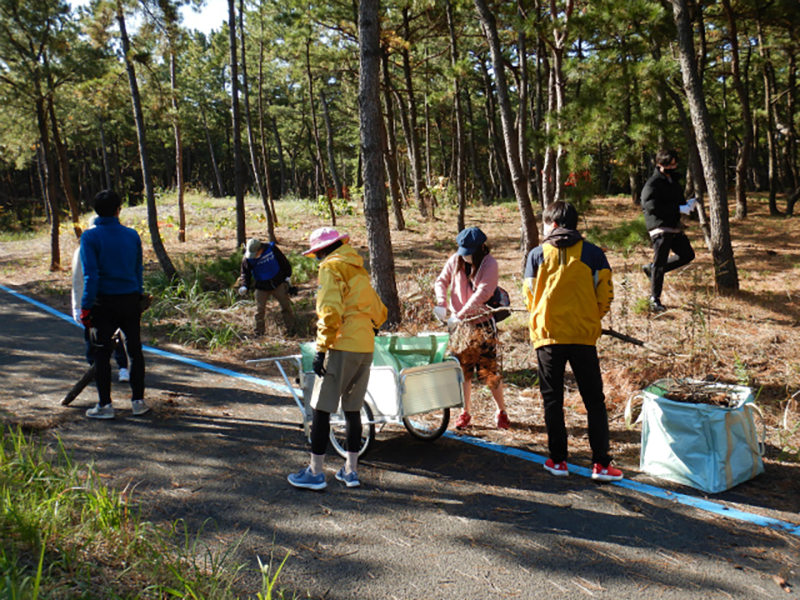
(66, 535)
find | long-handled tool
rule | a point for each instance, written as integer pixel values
(635, 342)
(86, 378)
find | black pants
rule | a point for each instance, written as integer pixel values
(663, 263)
(110, 313)
(321, 430)
(119, 352)
(586, 367)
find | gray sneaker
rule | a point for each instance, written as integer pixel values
(101, 412)
(138, 407)
(349, 479)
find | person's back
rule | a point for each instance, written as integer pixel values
(347, 306)
(567, 288)
(112, 260)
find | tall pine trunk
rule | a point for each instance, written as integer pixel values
(376, 211)
(49, 181)
(390, 147)
(460, 152)
(238, 162)
(746, 142)
(63, 166)
(412, 139)
(725, 271)
(138, 115)
(530, 234)
(251, 143)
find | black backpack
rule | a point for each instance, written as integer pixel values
(500, 299)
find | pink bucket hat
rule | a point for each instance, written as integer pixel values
(324, 237)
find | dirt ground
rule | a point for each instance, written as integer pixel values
(751, 336)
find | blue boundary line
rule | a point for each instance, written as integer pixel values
(650, 490)
(177, 357)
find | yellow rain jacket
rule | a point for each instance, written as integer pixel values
(567, 289)
(348, 309)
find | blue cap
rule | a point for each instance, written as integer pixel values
(470, 240)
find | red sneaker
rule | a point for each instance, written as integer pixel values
(609, 473)
(502, 420)
(559, 470)
(463, 420)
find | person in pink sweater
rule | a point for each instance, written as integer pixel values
(470, 277)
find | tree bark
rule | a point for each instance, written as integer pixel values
(769, 110)
(503, 185)
(63, 166)
(106, 165)
(390, 147)
(217, 174)
(337, 183)
(376, 211)
(473, 155)
(722, 252)
(138, 115)
(251, 143)
(530, 233)
(315, 133)
(460, 158)
(238, 163)
(262, 132)
(49, 183)
(746, 142)
(412, 139)
(171, 20)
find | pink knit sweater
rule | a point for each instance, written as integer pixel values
(468, 296)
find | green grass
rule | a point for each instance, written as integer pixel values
(624, 238)
(194, 304)
(303, 267)
(66, 535)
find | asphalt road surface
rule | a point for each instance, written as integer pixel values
(447, 520)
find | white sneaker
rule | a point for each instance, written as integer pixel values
(124, 375)
(101, 412)
(139, 407)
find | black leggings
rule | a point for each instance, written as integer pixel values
(321, 431)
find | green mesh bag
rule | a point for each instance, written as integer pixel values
(395, 351)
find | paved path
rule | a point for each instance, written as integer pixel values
(446, 520)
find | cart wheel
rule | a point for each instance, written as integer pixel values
(428, 426)
(339, 433)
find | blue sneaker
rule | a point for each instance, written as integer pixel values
(349, 479)
(305, 479)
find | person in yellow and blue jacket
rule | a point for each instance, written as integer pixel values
(349, 313)
(568, 290)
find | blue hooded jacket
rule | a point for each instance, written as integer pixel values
(111, 256)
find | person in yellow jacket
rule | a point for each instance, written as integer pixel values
(349, 313)
(568, 290)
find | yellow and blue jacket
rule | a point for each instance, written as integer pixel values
(567, 289)
(348, 309)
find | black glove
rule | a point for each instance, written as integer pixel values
(319, 364)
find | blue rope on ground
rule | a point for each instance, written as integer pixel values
(643, 488)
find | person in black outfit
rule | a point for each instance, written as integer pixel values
(662, 204)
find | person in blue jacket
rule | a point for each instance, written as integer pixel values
(266, 268)
(111, 257)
